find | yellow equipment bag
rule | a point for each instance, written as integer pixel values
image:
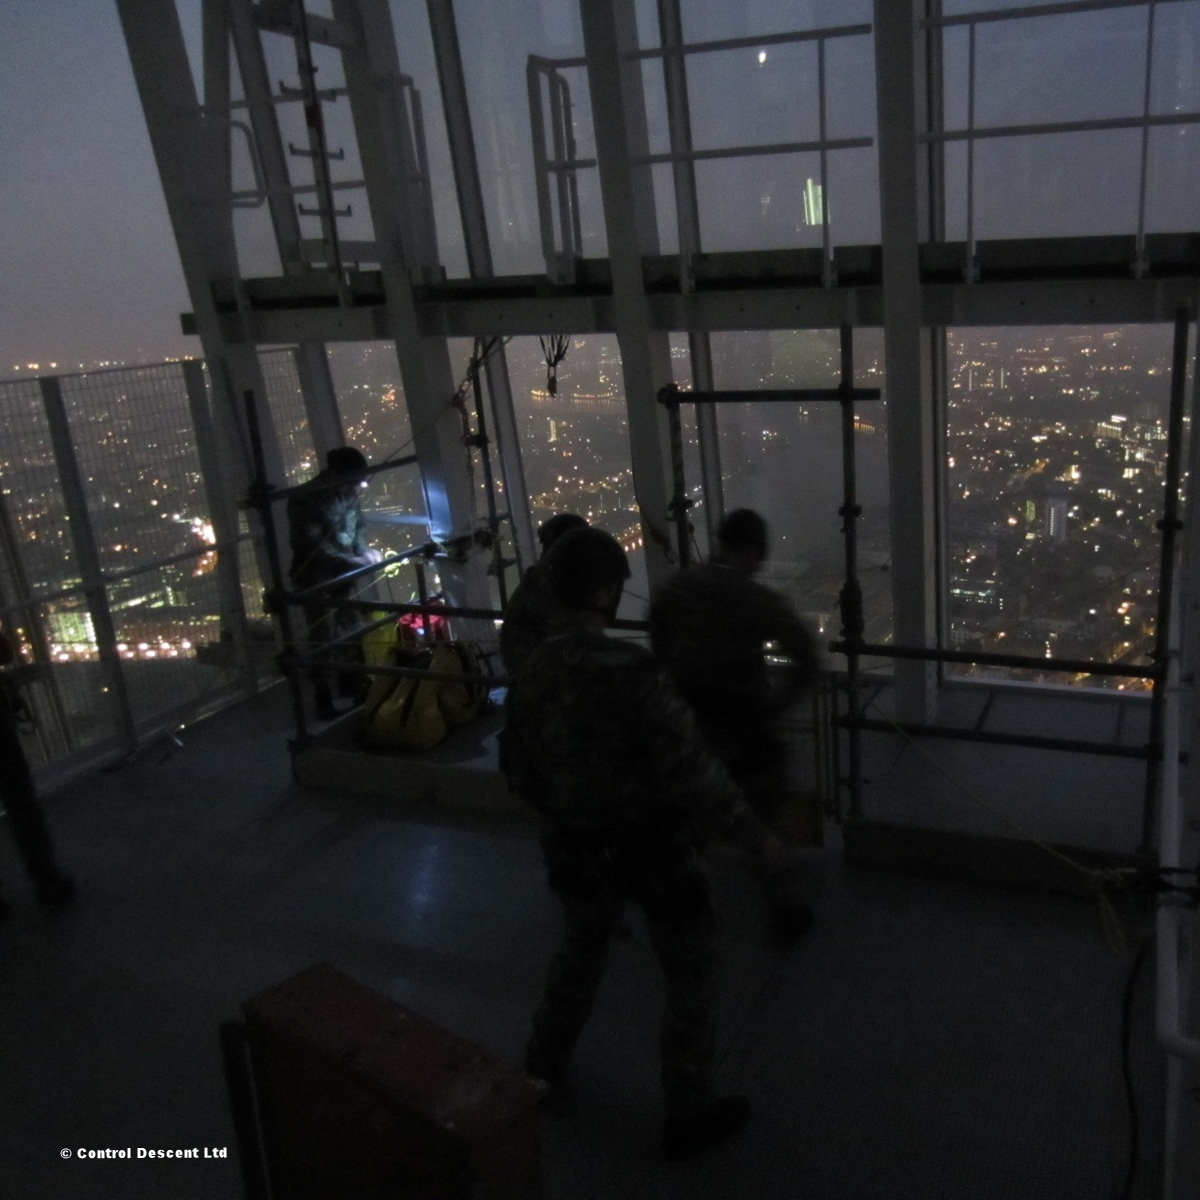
(407, 712)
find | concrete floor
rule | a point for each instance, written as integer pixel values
(927, 1040)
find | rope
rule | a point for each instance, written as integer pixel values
(1097, 879)
(554, 353)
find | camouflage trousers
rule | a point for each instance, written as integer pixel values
(755, 755)
(324, 624)
(595, 878)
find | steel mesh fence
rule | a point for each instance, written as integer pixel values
(69, 694)
(285, 398)
(39, 554)
(157, 636)
(133, 440)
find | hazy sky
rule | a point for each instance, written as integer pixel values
(86, 250)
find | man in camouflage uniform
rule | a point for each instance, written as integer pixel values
(327, 532)
(603, 748)
(531, 616)
(709, 625)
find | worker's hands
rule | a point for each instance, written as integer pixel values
(372, 556)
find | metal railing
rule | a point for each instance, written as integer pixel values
(561, 166)
(1145, 121)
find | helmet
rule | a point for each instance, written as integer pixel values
(554, 527)
(580, 562)
(744, 529)
(346, 460)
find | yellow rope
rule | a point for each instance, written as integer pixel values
(1097, 879)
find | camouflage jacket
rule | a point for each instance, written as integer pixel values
(531, 617)
(709, 625)
(598, 739)
(327, 531)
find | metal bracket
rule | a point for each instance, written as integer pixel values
(325, 212)
(299, 93)
(300, 152)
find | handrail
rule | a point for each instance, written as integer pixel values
(1067, 8)
(107, 580)
(1077, 666)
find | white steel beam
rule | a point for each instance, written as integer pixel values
(189, 147)
(910, 394)
(374, 81)
(83, 540)
(320, 398)
(264, 124)
(1102, 301)
(687, 216)
(479, 261)
(619, 120)
(222, 508)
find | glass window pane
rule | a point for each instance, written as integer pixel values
(133, 438)
(1054, 185)
(33, 510)
(850, 107)
(496, 41)
(751, 97)
(72, 703)
(1048, 69)
(168, 623)
(755, 203)
(366, 378)
(1173, 179)
(285, 399)
(785, 460)
(1175, 83)
(575, 443)
(1056, 448)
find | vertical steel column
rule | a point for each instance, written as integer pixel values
(318, 146)
(320, 399)
(850, 598)
(217, 114)
(619, 119)
(453, 86)
(1139, 261)
(84, 541)
(669, 398)
(480, 440)
(1182, 1150)
(1170, 525)
(259, 496)
(224, 516)
(902, 87)
(189, 150)
(374, 81)
(687, 218)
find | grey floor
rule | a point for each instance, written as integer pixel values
(927, 1040)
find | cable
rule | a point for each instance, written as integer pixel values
(459, 392)
(1127, 1067)
(554, 353)
(1097, 879)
